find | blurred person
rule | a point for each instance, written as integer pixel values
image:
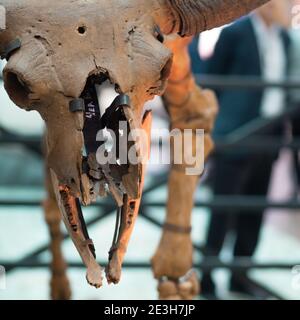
(257, 46)
(294, 74)
(294, 33)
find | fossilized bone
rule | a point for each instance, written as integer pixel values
(189, 107)
(57, 51)
(60, 286)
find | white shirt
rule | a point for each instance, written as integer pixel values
(273, 63)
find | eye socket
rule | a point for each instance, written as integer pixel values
(17, 89)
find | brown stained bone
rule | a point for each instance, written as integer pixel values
(85, 247)
(128, 216)
(60, 286)
(189, 107)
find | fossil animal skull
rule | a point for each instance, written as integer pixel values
(57, 50)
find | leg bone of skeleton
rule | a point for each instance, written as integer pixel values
(189, 107)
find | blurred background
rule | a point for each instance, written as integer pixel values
(246, 221)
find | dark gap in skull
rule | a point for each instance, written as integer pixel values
(132, 205)
(81, 29)
(97, 100)
(92, 113)
(17, 89)
(158, 35)
(103, 134)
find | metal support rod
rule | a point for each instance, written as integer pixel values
(239, 203)
(239, 265)
(257, 145)
(249, 203)
(222, 82)
(258, 126)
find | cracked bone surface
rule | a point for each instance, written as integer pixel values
(57, 49)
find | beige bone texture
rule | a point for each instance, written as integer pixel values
(62, 43)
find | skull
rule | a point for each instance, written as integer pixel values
(61, 47)
(57, 50)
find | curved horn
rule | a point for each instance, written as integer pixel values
(190, 17)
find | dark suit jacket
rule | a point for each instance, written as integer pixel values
(236, 53)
